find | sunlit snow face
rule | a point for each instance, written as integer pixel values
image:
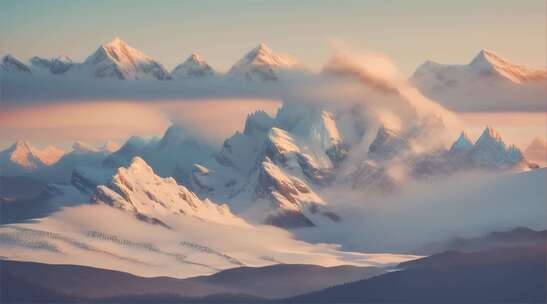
(191, 247)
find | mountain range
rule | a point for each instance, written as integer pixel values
(180, 235)
(275, 170)
(117, 60)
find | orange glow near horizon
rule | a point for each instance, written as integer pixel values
(98, 122)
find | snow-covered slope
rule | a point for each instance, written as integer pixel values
(172, 155)
(193, 67)
(150, 226)
(56, 65)
(488, 82)
(262, 64)
(22, 157)
(537, 151)
(139, 190)
(116, 59)
(462, 145)
(392, 161)
(488, 63)
(491, 151)
(273, 170)
(12, 64)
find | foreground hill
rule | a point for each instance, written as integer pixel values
(499, 275)
(76, 283)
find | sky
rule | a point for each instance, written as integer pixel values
(409, 32)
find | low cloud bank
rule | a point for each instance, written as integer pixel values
(469, 204)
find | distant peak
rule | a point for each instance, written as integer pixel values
(195, 57)
(464, 136)
(262, 47)
(22, 144)
(262, 50)
(138, 164)
(462, 143)
(115, 43)
(8, 57)
(491, 133)
(82, 147)
(538, 141)
(116, 40)
(487, 57)
(63, 58)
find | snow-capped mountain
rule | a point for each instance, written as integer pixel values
(491, 151)
(116, 59)
(489, 64)
(392, 161)
(462, 145)
(22, 157)
(172, 155)
(262, 64)
(277, 165)
(12, 64)
(56, 65)
(387, 144)
(193, 67)
(537, 151)
(99, 235)
(139, 190)
(82, 147)
(488, 82)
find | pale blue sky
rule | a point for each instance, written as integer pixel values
(222, 31)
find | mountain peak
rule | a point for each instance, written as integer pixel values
(138, 164)
(11, 64)
(462, 143)
(488, 61)
(193, 67)
(137, 189)
(537, 150)
(81, 147)
(22, 144)
(116, 41)
(486, 58)
(63, 58)
(263, 55)
(116, 59)
(24, 154)
(538, 142)
(490, 133)
(195, 57)
(261, 63)
(262, 47)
